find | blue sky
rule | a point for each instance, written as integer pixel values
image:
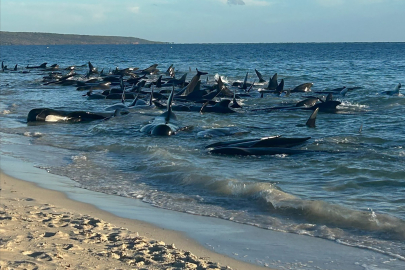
(212, 21)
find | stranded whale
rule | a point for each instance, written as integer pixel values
(53, 116)
(164, 124)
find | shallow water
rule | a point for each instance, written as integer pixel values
(351, 192)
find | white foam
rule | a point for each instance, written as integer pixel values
(79, 157)
(223, 78)
(32, 134)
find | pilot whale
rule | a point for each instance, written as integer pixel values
(273, 141)
(54, 116)
(164, 124)
(43, 65)
(394, 92)
(263, 146)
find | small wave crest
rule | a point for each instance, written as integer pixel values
(33, 134)
(353, 107)
(223, 78)
(320, 212)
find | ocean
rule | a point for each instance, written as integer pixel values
(348, 189)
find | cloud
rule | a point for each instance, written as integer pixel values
(133, 9)
(261, 3)
(235, 2)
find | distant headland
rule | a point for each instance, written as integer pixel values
(34, 38)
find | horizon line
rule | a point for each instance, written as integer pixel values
(185, 43)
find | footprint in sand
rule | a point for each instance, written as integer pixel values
(72, 247)
(26, 265)
(48, 234)
(57, 234)
(41, 256)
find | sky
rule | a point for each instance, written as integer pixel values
(212, 21)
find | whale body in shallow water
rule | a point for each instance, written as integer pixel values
(164, 124)
(394, 92)
(257, 151)
(54, 116)
(263, 146)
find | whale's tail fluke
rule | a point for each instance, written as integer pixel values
(199, 73)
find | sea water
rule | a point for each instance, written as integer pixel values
(351, 191)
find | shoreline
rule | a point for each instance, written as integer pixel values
(239, 246)
(21, 196)
(18, 196)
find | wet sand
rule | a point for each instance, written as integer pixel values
(43, 229)
(48, 222)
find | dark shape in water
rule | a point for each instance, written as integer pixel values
(305, 87)
(394, 92)
(257, 151)
(43, 65)
(275, 141)
(54, 116)
(272, 83)
(312, 119)
(193, 83)
(164, 124)
(220, 107)
(259, 75)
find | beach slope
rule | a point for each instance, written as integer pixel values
(42, 229)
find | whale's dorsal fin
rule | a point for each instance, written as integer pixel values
(259, 75)
(244, 86)
(273, 82)
(134, 101)
(280, 87)
(183, 78)
(43, 65)
(122, 83)
(397, 88)
(251, 86)
(329, 97)
(151, 97)
(312, 118)
(344, 91)
(169, 106)
(168, 69)
(123, 90)
(234, 102)
(159, 82)
(92, 69)
(123, 97)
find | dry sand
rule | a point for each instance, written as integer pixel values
(42, 229)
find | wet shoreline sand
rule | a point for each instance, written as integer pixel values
(134, 227)
(46, 230)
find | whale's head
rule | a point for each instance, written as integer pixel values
(161, 130)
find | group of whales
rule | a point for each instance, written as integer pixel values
(195, 95)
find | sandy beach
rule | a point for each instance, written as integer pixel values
(42, 229)
(48, 222)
